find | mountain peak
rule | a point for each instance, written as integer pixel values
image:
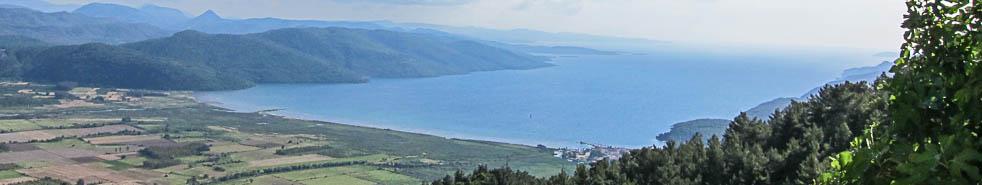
(103, 8)
(209, 15)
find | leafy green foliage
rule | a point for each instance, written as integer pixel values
(788, 149)
(935, 105)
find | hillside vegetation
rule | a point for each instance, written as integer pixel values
(110, 66)
(193, 60)
(245, 58)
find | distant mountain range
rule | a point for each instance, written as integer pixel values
(69, 28)
(194, 60)
(132, 24)
(237, 53)
(868, 74)
(211, 22)
(685, 130)
(166, 18)
(39, 5)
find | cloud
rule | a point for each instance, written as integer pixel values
(412, 2)
(566, 7)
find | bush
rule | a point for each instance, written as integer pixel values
(163, 152)
(160, 163)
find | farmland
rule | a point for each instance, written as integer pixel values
(172, 139)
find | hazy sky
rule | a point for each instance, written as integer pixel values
(872, 24)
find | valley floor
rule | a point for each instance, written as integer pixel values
(110, 136)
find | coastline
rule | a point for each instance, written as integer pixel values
(287, 114)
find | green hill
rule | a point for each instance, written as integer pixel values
(246, 57)
(110, 66)
(388, 54)
(193, 60)
(764, 110)
(333, 55)
(685, 130)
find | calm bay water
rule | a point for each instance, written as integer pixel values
(621, 100)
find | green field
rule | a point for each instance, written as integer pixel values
(338, 180)
(118, 165)
(231, 148)
(77, 144)
(9, 174)
(17, 125)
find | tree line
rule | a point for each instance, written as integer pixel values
(261, 172)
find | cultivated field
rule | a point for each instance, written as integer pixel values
(121, 139)
(288, 160)
(347, 175)
(226, 147)
(50, 156)
(16, 180)
(91, 173)
(41, 135)
(13, 125)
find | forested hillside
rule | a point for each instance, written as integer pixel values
(110, 66)
(193, 60)
(334, 54)
(245, 58)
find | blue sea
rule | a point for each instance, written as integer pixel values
(620, 100)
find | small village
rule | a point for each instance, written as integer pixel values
(68, 96)
(594, 153)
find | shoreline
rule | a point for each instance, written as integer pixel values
(300, 116)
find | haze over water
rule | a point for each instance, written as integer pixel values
(620, 100)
